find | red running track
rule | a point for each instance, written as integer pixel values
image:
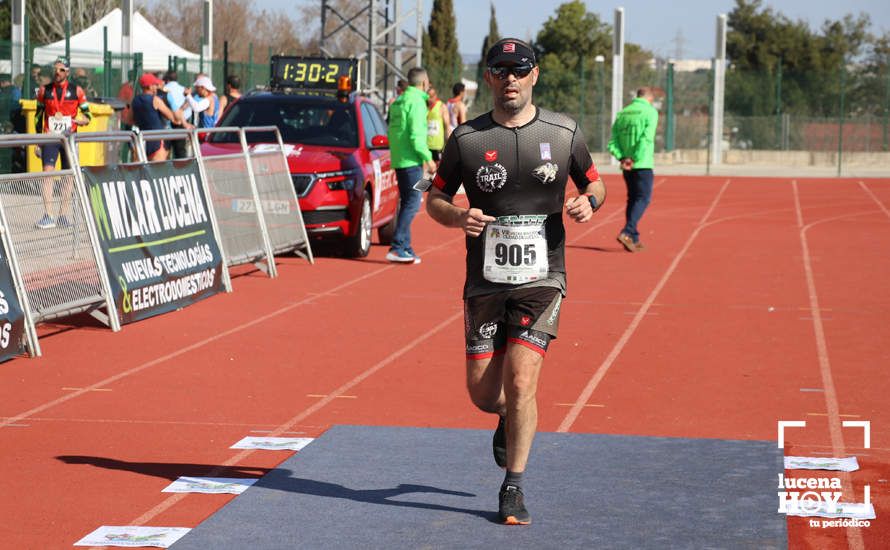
(757, 300)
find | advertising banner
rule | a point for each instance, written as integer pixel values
(154, 227)
(12, 319)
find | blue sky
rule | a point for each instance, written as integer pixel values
(653, 24)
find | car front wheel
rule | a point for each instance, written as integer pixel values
(358, 245)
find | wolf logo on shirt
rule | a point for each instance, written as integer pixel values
(546, 173)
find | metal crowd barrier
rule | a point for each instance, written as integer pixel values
(60, 268)
(234, 195)
(281, 208)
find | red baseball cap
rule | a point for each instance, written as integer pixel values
(149, 79)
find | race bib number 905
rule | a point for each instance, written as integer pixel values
(515, 252)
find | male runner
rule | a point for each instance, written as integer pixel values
(514, 163)
(61, 108)
(457, 109)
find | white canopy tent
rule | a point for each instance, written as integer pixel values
(86, 46)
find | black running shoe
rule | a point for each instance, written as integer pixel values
(511, 509)
(499, 444)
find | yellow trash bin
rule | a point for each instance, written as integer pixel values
(91, 154)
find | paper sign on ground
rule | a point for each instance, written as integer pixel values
(273, 443)
(133, 537)
(210, 485)
(848, 464)
(849, 510)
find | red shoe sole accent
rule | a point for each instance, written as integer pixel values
(511, 520)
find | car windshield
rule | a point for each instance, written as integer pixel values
(322, 123)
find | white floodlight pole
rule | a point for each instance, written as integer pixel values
(617, 65)
(719, 87)
(18, 39)
(372, 53)
(397, 40)
(207, 46)
(418, 59)
(126, 40)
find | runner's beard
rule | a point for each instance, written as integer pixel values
(512, 106)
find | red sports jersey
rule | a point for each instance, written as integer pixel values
(59, 101)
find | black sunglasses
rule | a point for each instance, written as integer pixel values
(519, 71)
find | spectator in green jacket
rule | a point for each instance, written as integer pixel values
(410, 155)
(633, 144)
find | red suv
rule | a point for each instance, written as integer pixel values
(338, 156)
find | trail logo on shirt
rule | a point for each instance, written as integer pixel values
(491, 177)
(545, 151)
(546, 173)
(491, 156)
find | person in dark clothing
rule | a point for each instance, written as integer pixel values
(233, 93)
(148, 109)
(513, 163)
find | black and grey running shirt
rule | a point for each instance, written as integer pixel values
(516, 175)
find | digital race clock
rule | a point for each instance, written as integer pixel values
(317, 73)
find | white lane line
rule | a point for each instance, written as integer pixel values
(871, 194)
(600, 373)
(424, 337)
(197, 345)
(146, 422)
(854, 536)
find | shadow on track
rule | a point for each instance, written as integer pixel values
(281, 480)
(167, 470)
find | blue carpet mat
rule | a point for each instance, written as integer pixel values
(376, 487)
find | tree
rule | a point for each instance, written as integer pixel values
(638, 69)
(347, 42)
(440, 53)
(47, 17)
(234, 21)
(761, 42)
(566, 48)
(482, 102)
(872, 90)
(5, 21)
(569, 41)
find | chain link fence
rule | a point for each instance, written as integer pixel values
(816, 118)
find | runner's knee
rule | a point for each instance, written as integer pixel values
(520, 387)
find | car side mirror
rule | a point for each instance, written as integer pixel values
(379, 141)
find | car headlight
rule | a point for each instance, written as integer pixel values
(339, 181)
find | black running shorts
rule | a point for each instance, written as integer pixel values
(49, 153)
(528, 316)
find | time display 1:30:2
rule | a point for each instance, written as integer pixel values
(312, 72)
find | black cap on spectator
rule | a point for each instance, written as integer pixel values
(510, 50)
